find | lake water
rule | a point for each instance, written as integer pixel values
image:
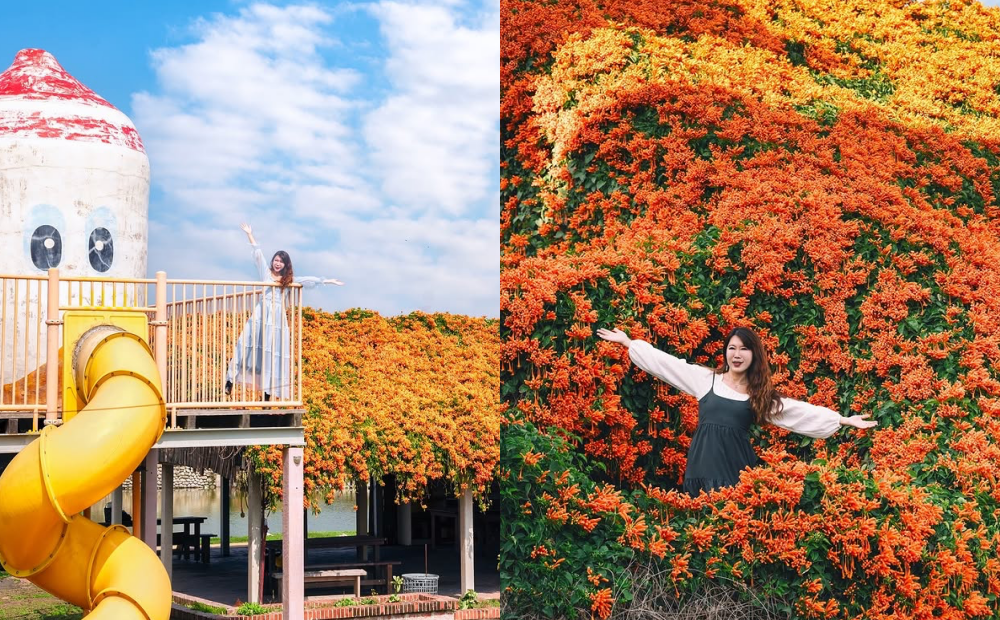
(339, 516)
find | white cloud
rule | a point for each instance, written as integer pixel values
(253, 121)
(435, 140)
(425, 264)
(253, 89)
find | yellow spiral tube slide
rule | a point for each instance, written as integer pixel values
(43, 537)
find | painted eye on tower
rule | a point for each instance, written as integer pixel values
(46, 247)
(101, 250)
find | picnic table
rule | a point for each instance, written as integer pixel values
(336, 542)
(272, 563)
(190, 541)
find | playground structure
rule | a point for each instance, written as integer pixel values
(74, 186)
(62, 473)
(107, 408)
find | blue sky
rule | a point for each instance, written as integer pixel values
(362, 137)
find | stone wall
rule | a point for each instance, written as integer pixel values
(184, 478)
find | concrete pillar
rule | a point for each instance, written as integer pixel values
(255, 547)
(292, 560)
(167, 519)
(116, 506)
(148, 498)
(224, 516)
(467, 567)
(404, 524)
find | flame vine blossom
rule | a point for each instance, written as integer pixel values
(825, 173)
(414, 396)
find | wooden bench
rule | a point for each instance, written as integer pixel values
(324, 577)
(179, 542)
(206, 547)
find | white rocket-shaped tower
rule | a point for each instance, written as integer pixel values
(74, 185)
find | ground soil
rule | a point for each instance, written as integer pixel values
(21, 599)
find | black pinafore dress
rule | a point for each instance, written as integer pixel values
(720, 448)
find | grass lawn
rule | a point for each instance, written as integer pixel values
(242, 539)
(21, 599)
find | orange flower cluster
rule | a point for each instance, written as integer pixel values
(826, 173)
(414, 396)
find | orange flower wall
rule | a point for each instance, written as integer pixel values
(826, 173)
(413, 396)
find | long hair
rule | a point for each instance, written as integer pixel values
(286, 275)
(765, 400)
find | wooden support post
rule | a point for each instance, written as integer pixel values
(52, 323)
(404, 524)
(373, 508)
(116, 507)
(361, 499)
(137, 504)
(224, 517)
(148, 499)
(160, 329)
(305, 534)
(167, 518)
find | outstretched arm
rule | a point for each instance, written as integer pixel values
(859, 421)
(815, 421)
(689, 378)
(313, 282)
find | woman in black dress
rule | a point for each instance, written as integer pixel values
(729, 401)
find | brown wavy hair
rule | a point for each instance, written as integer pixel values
(286, 275)
(765, 400)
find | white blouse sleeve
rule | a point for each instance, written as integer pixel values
(258, 260)
(308, 281)
(807, 419)
(690, 378)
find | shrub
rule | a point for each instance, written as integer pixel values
(210, 609)
(680, 169)
(251, 609)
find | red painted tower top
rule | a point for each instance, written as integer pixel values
(39, 99)
(36, 74)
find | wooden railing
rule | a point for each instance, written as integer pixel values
(206, 320)
(195, 326)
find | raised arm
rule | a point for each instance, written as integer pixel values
(249, 231)
(263, 269)
(815, 421)
(689, 378)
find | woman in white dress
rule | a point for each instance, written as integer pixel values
(262, 359)
(730, 400)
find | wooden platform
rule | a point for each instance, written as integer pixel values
(238, 416)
